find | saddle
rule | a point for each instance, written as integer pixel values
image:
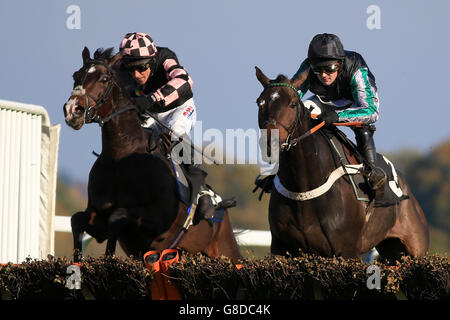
(346, 153)
(349, 163)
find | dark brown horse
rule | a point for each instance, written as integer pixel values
(334, 223)
(132, 194)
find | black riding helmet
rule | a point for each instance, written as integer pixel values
(324, 48)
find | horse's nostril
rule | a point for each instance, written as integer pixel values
(270, 122)
(79, 110)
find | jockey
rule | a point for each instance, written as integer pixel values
(162, 89)
(344, 91)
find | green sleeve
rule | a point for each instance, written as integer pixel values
(366, 107)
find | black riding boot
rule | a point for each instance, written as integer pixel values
(206, 198)
(200, 192)
(205, 205)
(364, 138)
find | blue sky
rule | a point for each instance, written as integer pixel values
(219, 43)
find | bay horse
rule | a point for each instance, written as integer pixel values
(334, 223)
(132, 194)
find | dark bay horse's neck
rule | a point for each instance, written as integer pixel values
(123, 136)
(306, 166)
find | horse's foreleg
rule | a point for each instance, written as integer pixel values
(79, 222)
(116, 224)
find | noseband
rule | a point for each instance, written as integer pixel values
(90, 114)
(91, 111)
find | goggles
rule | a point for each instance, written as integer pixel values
(331, 68)
(140, 67)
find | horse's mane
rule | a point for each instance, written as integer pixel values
(125, 81)
(280, 78)
(103, 54)
(99, 55)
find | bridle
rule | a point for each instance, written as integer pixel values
(292, 142)
(91, 112)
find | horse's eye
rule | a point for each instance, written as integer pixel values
(294, 104)
(104, 79)
(260, 103)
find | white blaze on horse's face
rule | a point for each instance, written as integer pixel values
(78, 91)
(71, 106)
(274, 96)
(262, 102)
(92, 69)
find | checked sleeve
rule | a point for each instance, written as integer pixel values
(178, 88)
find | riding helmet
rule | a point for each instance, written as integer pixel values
(137, 46)
(325, 46)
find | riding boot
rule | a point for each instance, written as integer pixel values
(376, 177)
(205, 205)
(196, 176)
(203, 195)
(152, 139)
(200, 192)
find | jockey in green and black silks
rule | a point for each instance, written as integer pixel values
(344, 91)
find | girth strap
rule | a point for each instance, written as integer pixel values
(187, 223)
(311, 194)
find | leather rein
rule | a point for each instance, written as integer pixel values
(91, 112)
(292, 142)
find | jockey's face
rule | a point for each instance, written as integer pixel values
(141, 77)
(327, 78)
(327, 73)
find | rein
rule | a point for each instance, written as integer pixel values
(92, 116)
(91, 111)
(289, 142)
(102, 121)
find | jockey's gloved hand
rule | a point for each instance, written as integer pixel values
(329, 117)
(144, 103)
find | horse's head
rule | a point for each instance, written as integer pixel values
(280, 106)
(91, 95)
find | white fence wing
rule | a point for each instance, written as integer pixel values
(28, 171)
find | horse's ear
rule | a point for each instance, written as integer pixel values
(86, 55)
(298, 79)
(262, 77)
(115, 59)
